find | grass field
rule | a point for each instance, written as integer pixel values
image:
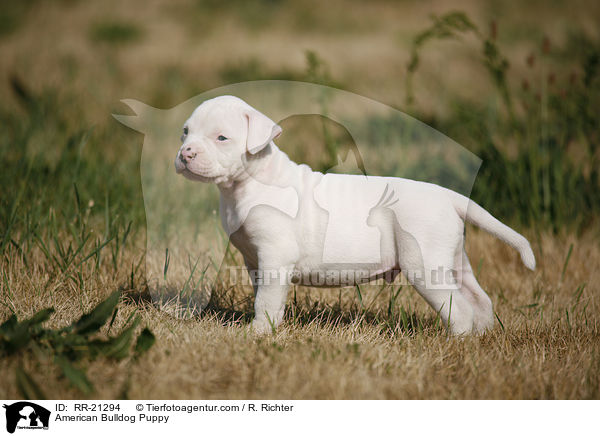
(523, 94)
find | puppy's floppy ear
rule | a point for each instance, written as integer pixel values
(261, 131)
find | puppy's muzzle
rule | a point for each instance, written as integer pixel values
(187, 154)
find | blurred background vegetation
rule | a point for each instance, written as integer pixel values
(515, 83)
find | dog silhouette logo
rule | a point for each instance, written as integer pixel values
(189, 253)
(26, 415)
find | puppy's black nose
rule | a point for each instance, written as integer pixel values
(187, 155)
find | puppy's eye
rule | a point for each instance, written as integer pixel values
(185, 130)
(222, 138)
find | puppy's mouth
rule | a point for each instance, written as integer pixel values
(191, 171)
(182, 168)
(188, 174)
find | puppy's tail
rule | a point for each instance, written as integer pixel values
(470, 211)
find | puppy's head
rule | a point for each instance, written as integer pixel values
(218, 136)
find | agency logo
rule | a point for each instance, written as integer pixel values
(26, 415)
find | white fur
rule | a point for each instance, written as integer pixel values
(314, 229)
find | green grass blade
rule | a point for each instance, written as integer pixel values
(27, 386)
(93, 321)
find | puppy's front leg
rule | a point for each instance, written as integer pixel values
(273, 234)
(271, 294)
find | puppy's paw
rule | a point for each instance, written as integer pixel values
(482, 325)
(261, 327)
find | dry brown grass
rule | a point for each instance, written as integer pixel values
(332, 350)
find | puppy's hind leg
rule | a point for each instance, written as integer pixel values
(432, 278)
(483, 313)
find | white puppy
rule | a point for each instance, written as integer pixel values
(295, 225)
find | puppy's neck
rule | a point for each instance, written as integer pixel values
(270, 166)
